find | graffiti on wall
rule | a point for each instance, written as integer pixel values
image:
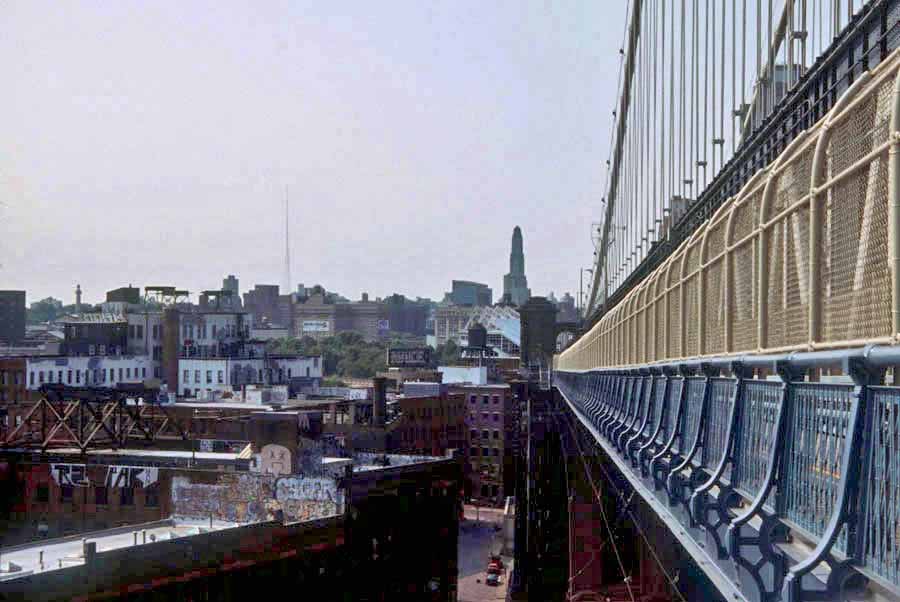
(125, 477)
(247, 498)
(273, 459)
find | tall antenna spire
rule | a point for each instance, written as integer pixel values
(287, 246)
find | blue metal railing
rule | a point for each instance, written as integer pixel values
(881, 522)
(819, 460)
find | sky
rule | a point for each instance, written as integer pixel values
(152, 143)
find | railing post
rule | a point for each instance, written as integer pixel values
(894, 208)
(817, 173)
(845, 505)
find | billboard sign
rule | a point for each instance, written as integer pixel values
(316, 326)
(409, 357)
(384, 325)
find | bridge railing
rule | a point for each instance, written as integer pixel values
(756, 453)
(805, 257)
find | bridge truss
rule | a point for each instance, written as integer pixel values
(88, 418)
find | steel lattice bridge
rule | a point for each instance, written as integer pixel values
(86, 418)
(738, 372)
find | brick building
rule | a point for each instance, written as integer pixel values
(431, 424)
(492, 423)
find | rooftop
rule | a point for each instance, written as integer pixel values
(54, 554)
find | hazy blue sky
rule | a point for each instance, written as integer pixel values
(150, 143)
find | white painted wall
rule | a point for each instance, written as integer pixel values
(94, 371)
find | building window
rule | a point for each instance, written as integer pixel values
(78, 376)
(260, 375)
(214, 330)
(154, 331)
(151, 497)
(131, 331)
(484, 400)
(140, 331)
(495, 490)
(143, 372)
(41, 377)
(187, 376)
(485, 434)
(31, 377)
(221, 377)
(196, 376)
(496, 417)
(485, 452)
(126, 497)
(50, 376)
(19, 420)
(42, 494)
(473, 434)
(484, 491)
(66, 492)
(495, 399)
(102, 350)
(128, 372)
(101, 496)
(485, 416)
(307, 372)
(59, 376)
(496, 434)
(473, 399)
(120, 375)
(315, 362)
(209, 377)
(112, 375)
(69, 377)
(91, 350)
(473, 452)
(289, 373)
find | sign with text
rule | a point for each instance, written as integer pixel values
(316, 326)
(126, 477)
(409, 357)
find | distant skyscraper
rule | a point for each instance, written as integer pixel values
(515, 284)
(233, 284)
(12, 317)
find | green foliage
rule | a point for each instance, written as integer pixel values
(446, 354)
(345, 354)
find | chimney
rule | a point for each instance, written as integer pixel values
(78, 299)
(171, 334)
(365, 297)
(379, 400)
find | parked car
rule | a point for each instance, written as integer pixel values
(493, 579)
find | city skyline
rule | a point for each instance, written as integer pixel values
(155, 163)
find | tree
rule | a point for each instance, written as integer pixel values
(446, 354)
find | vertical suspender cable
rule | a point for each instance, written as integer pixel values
(734, 107)
(722, 94)
(658, 138)
(681, 135)
(695, 108)
(711, 45)
(705, 97)
(672, 184)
